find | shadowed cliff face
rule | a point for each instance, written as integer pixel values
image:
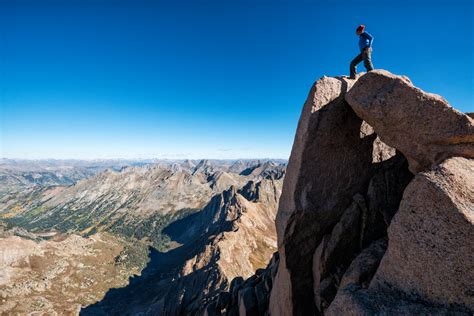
(332, 160)
(337, 165)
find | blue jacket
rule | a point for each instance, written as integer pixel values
(365, 40)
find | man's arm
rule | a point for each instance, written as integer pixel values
(369, 37)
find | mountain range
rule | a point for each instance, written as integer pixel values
(170, 219)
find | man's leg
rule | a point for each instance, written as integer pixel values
(367, 56)
(354, 62)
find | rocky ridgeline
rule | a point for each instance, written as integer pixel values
(137, 201)
(377, 208)
(232, 236)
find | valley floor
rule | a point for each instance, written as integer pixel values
(58, 276)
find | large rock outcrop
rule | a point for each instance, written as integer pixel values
(328, 132)
(428, 266)
(423, 126)
(430, 252)
(339, 212)
(334, 160)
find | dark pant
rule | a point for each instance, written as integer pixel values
(366, 56)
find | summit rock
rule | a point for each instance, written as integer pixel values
(423, 126)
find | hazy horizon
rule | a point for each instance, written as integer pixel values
(152, 159)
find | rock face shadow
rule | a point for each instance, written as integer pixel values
(117, 301)
(340, 196)
(336, 165)
(160, 279)
(178, 282)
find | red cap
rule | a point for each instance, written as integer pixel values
(361, 28)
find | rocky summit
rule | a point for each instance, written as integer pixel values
(376, 215)
(423, 126)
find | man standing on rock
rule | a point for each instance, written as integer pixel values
(365, 46)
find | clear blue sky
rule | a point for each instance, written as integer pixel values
(216, 79)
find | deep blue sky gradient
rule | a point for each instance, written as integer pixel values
(215, 79)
